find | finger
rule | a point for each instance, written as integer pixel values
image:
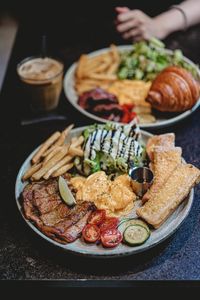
(131, 33)
(122, 27)
(122, 17)
(120, 9)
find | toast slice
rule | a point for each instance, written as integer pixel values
(165, 140)
(172, 193)
(165, 162)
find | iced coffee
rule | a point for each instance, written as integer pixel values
(42, 79)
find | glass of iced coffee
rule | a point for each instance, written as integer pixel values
(42, 80)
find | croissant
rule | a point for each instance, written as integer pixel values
(174, 90)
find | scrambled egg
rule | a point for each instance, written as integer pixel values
(116, 197)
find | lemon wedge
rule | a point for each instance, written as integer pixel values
(65, 192)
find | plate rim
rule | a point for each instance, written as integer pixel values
(83, 252)
(165, 123)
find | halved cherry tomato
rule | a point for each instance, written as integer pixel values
(91, 233)
(125, 118)
(111, 238)
(97, 217)
(128, 107)
(109, 223)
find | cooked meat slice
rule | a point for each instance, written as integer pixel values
(30, 212)
(55, 216)
(165, 162)
(74, 231)
(74, 216)
(46, 197)
(172, 193)
(107, 109)
(60, 230)
(94, 97)
(42, 205)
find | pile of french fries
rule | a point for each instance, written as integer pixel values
(97, 71)
(54, 157)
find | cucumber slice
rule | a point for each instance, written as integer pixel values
(135, 235)
(131, 221)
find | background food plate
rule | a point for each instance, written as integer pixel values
(93, 250)
(72, 96)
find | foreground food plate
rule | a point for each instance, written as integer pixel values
(71, 95)
(81, 248)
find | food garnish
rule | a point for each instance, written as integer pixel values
(124, 223)
(91, 233)
(65, 192)
(111, 237)
(97, 217)
(109, 223)
(135, 235)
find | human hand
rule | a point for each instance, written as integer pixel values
(136, 25)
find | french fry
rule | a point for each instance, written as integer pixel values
(31, 171)
(110, 77)
(115, 53)
(73, 139)
(78, 142)
(48, 151)
(80, 67)
(75, 151)
(60, 141)
(67, 130)
(62, 170)
(45, 146)
(65, 160)
(49, 164)
(102, 67)
(52, 153)
(63, 135)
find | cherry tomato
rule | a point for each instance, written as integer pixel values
(128, 107)
(97, 217)
(125, 118)
(111, 238)
(91, 233)
(132, 115)
(109, 223)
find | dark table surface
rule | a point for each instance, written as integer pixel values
(23, 254)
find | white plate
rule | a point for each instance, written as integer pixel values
(73, 97)
(81, 248)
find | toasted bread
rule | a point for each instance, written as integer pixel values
(165, 162)
(165, 140)
(172, 193)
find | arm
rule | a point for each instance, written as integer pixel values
(191, 9)
(137, 25)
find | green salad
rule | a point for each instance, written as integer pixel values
(110, 148)
(148, 58)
